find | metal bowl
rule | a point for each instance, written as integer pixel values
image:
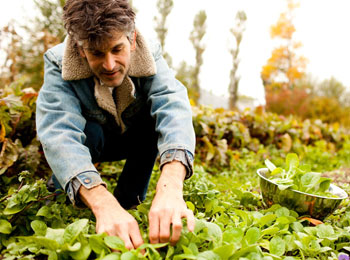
(305, 204)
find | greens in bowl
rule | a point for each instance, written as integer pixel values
(298, 177)
(300, 189)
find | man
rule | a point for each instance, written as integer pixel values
(109, 95)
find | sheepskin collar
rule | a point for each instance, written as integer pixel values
(142, 64)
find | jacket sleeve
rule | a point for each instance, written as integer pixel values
(171, 108)
(60, 128)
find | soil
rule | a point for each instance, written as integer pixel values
(340, 177)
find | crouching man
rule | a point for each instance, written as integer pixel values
(109, 95)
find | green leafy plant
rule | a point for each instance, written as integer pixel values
(298, 177)
(223, 193)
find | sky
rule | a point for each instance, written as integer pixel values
(321, 26)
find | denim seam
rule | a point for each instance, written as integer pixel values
(171, 155)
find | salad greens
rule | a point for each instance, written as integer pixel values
(231, 222)
(298, 177)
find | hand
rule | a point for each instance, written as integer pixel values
(168, 206)
(111, 217)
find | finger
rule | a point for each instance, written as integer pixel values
(164, 232)
(177, 228)
(191, 221)
(99, 228)
(135, 235)
(125, 237)
(103, 229)
(153, 227)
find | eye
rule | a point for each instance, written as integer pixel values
(97, 53)
(117, 50)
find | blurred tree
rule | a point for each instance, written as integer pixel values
(283, 75)
(330, 102)
(288, 101)
(237, 31)
(284, 68)
(196, 37)
(164, 8)
(332, 88)
(184, 75)
(25, 55)
(10, 42)
(328, 109)
(45, 31)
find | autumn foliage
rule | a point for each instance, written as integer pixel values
(287, 89)
(288, 101)
(284, 68)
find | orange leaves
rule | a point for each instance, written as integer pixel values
(284, 69)
(29, 97)
(284, 66)
(292, 5)
(8, 154)
(287, 88)
(277, 65)
(314, 222)
(295, 73)
(2, 132)
(284, 28)
(267, 71)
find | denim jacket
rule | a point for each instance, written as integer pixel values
(71, 95)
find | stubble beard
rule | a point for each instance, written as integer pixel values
(124, 75)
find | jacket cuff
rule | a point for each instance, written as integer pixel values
(88, 180)
(183, 156)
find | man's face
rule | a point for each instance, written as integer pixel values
(110, 62)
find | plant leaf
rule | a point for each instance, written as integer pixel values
(5, 227)
(270, 165)
(252, 235)
(277, 246)
(310, 179)
(292, 162)
(234, 235)
(115, 243)
(39, 227)
(73, 230)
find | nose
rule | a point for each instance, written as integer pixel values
(109, 63)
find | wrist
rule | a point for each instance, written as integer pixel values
(172, 177)
(97, 198)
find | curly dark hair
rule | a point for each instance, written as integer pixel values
(96, 20)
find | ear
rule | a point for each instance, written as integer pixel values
(81, 51)
(133, 44)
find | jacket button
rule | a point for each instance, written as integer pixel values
(87, 181)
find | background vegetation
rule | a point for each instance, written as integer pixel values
(301, 116)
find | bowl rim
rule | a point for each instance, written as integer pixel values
(345, 195)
